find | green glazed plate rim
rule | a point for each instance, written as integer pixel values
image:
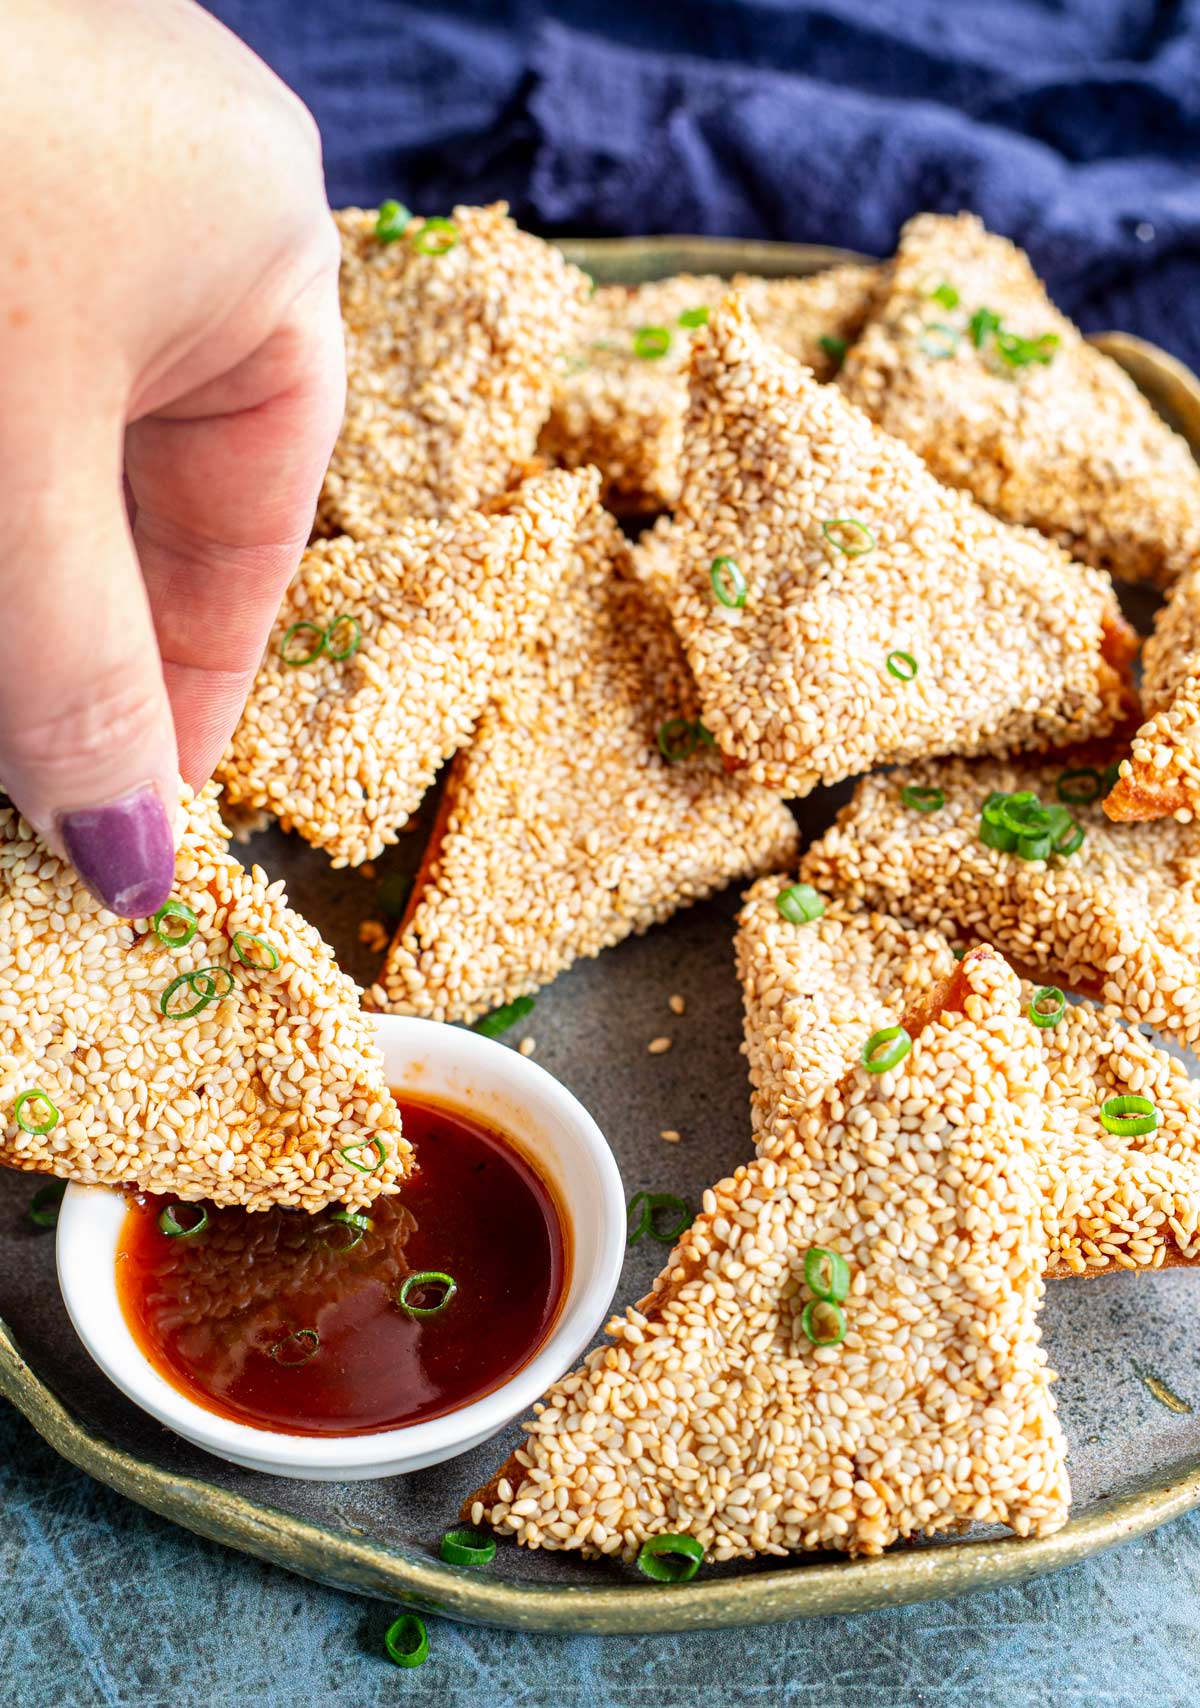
(351, 1561)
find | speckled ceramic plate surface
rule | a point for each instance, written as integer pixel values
(1134, 1460)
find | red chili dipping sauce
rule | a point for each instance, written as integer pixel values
(315, 1325)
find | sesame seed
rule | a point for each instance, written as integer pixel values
(671, 1135)
(659, 1046)
(527, 1046)
(676, 1004)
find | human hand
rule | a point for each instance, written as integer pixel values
(168, 307)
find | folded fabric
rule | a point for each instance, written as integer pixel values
(453, 332)
(817, 990)
(840, 609)
(382, 658)
(968, 361)
(734, 1406)
(587, 807)
(213, 1052)
(1118, 918)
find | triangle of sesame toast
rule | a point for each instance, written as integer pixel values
(712, 1413)
(342, 748)
(454, 332)
(565, 826)
(815, 991)
(840, 609)
(967, 360)
(1161, 776)
(258, 1083)
(1117, 920)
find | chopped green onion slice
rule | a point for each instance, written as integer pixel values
(834, 348)
(407, 1641)
(305, 1341)
(677, 739)
(1080, 786)
(466, 1547)
(993, 831)
(902, 665)
(1033, 847)
(359, 1226)
(392, 896)
(204, 983)
(31, 1124)
(670, 1559)
(945, 294)
(921, 798)
(1022, 352)
(313, 649)
(824, 1322)
(350, 641)
(254, 951)
(648, 1206)
(1023, 813)
(651, 342)
(1128, 1116)
(423, 1278)
(160, 924)
(1068, 840)
(170, 1224)
(500, 1019)
(693, 317)
(939, 340)
(1047, 1006)
(392, 222)
(862, 540)
(435, 237)
(885, 1049)
(707, 738)
(728, 583)
(981, 323)
(826, 1273)
(1111, 777)
(800, 904)
(375, 1144)
(43, 1206)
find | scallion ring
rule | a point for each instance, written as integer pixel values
(939, 340)
(834, 348)
(306, 1340)
(500, 1019)
(903, 666)
(1047, 1006)
(993, 831)
(1069, 839)
(693, 317)
(824, 1322)
(981, 324)
(945, 294)
(651, 342)
(204, 982)
(1024, 814)
(43, 1206)
(670, 1559)
(393, 221)
(407, 1641)
(358, 1225)
(169, 1223)
(465, 1547)
(1111, 777)
(799, 904)
(1033, 847)
(1080, 786)
(886, 1049)
(417, 1283)
(728, 583)
(922, 798)
(376, 1144)
(247, 945)
(677, 739)
(435, 237)
(826, 1274)
(862, 540)
(1128, 1116)
(294, 660)
(648, 1206)
(39, 1129)
(169, 910)
(351, 641)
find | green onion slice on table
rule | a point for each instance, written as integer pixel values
(171, 1222)
(501, 1019)
(799, 904)
(670, 1559)
(44, 1205)
(846, 534)
(435, 237)
(826, 1274)
(444, 1286)
(728, 583)
(649, 1207)
(466, 1547)
(393, 221)
(903, 666)
(823, 1321)
(35, 1100)
(651, 342)
(1047, 1006)
(407, 1641)
(1128, 1116)
(886, 1049)
(164, 928)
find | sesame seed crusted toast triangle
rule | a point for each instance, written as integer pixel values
(1161, 776)
(342, 750)
(563, 827)
(885, 616)
(815, 993)
(1067, 445)
(274, 1093)
(450, 359)
(710, 1413)
(1119, 920)
(621, 401)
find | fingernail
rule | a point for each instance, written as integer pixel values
(123, 851)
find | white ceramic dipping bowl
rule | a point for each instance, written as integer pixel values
(424, 1058)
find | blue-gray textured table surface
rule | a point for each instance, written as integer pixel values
(103, 1605)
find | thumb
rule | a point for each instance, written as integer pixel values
(87, 744)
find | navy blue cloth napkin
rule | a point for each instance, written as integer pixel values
(1072, 125)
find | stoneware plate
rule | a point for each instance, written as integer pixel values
(1118, 1343)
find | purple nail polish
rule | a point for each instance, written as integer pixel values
(123, 851)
